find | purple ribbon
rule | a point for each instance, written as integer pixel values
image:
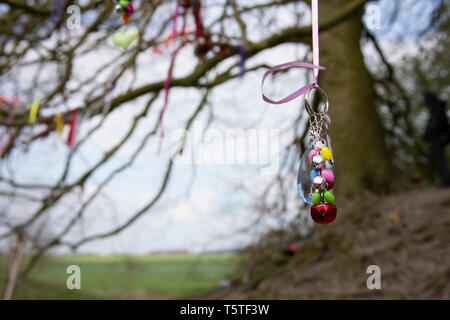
(57, 10)
(315, 65)
(243, 55)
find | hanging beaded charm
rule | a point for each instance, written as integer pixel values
(315, 176)
(125, 9)
(123, 38)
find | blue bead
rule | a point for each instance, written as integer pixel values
(314, 172)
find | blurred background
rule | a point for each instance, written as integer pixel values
(160, 172)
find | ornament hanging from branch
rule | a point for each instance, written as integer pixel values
(315, 177)
(123, 38)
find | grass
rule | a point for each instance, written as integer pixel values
(152, 276)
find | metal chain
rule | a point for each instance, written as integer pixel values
(318, 128)
(319, 122)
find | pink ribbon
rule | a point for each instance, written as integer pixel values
(315, 65)
(315, 35)
(296, 93)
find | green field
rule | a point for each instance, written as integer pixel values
(125, 277)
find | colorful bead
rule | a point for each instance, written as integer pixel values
(311, 154)
(329, 197)
(314, 172)
(326, 153)
(316, 197)
(129, 9)
(328, 175)
(323, 213)
(124, 3)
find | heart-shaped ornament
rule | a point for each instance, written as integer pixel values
(323, 213)
(123, 38)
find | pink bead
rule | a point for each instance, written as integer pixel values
(312, 153)
(319, 167)
(129, 9)
(328, 175)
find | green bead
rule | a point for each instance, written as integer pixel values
(316, 197)
(124, 3)
(329, 197)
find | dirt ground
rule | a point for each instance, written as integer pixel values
(407, 235)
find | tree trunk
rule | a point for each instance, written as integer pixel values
(357, 137)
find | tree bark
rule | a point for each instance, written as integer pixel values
(357, 136)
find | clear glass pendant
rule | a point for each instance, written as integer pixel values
(304, 188)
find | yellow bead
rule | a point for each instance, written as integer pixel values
(326, 153)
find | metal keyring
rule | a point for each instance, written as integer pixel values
(325, 102)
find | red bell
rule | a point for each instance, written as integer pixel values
(323, 213)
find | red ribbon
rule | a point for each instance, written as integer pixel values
(198, 20)
(73, 123)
